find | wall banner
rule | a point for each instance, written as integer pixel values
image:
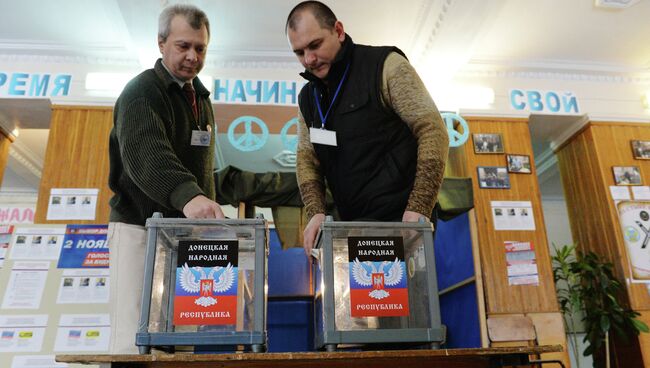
(634, 217)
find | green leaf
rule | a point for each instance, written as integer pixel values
(604, 323)
(640, 325)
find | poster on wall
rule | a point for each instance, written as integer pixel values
(5, 240)
(17, 214)
(26, 285)
(634, 217)
(513, 215)
(72, 204)
(83, 286)
(619, 193)
(83, 332)
(641, 192)
(22, 333)
(521, 263)
(378, 285)
(84, 246)
(206, 282)
(37, 243)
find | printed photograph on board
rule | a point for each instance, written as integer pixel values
(641, 149)
(493, 177)
(487, 143)
(519, 164)
(627, 175)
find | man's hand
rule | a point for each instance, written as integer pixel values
(202, 207)
(311, 230)
(410, 216)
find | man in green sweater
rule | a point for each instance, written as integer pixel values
(161, 158)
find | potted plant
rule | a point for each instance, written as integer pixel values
(586, 284)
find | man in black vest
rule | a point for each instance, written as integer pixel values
(367, 127)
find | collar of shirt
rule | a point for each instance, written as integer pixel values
(178, 81)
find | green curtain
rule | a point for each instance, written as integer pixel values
(279, 191)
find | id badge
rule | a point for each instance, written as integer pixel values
(322, 136)
(200, 138)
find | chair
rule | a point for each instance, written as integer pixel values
(515, 331)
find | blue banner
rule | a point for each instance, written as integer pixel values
(84, 246)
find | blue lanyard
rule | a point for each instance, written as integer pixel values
(323, 119)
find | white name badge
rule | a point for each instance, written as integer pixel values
(322, 136)
(200, 138)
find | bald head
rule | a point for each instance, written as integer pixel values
(321, 12)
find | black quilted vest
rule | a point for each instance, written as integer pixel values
(371, 171)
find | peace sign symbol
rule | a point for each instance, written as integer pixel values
(456, 138)
(290, 142)
(248, 141)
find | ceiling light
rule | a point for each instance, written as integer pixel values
(455, 97)
(615, 4)
(108, 83)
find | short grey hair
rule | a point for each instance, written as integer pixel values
(194, 16)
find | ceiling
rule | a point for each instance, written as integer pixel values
(441, 38)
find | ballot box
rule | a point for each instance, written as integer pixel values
(376, 286)
(204, 284)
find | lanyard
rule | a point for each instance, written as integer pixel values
(323, 119)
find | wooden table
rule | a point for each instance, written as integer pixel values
(462, 358)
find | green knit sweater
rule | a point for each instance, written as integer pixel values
(153, 166)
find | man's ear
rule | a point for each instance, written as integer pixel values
(340, 32)
(160, 44)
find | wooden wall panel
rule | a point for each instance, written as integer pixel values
(612, 143)
(500, 296)
(644, 339)
(5, 143)
(586, 166)
(585, 163)
(77, 157)
(550, 331)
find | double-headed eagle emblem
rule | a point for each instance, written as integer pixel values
(217, 280)
(387, 274)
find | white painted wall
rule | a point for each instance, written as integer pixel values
(556, 217)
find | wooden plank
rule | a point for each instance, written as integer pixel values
(241, 210)
(549, 328)
(644, 338)
(511, 328)
(5, 143)
(77, 157)
(585, 164)
(586, 167)
(612, 142)
(500, 296)
(481, 357)
(478, 276)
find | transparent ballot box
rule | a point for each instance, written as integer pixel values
(204, 284)
(376, 284)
